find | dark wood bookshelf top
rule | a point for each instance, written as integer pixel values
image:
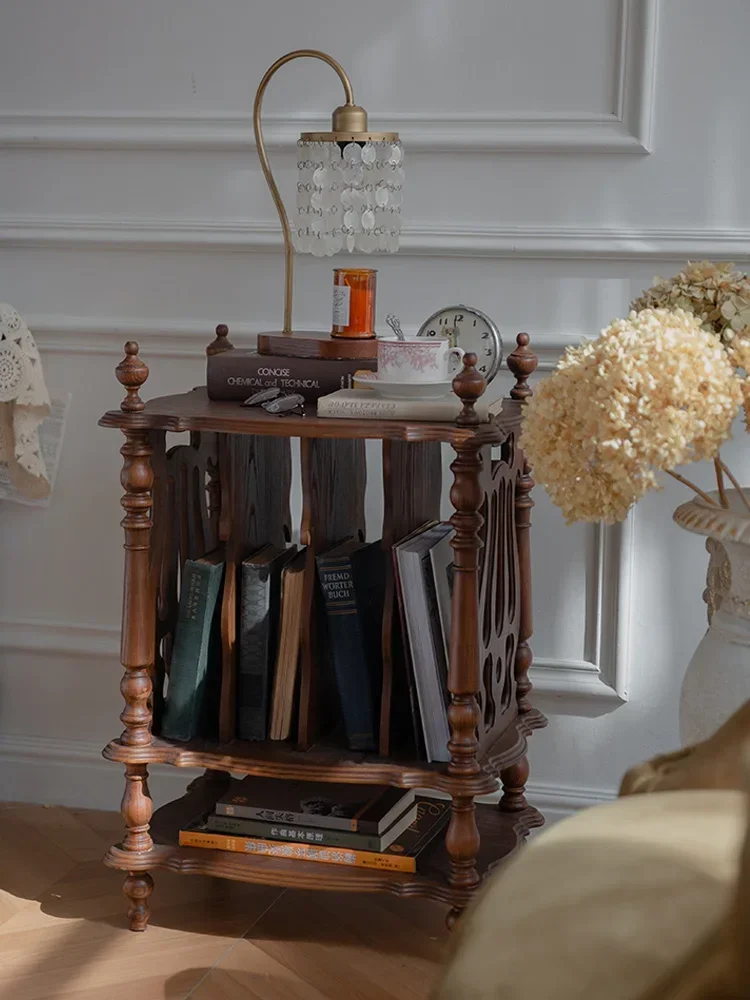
(194, 411)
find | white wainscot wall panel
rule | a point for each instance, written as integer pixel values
(508, 86)
(131, 206)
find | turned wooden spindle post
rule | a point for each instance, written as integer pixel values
(522, 363)
(221, 342)
(138, 629)
(462, 837)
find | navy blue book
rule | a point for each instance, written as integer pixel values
(352, 578)
(190, 673)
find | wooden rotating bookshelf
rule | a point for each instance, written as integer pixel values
(231, 485)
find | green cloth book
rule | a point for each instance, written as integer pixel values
(189, 674)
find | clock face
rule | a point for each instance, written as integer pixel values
(472, 331)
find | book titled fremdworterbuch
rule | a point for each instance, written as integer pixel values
(352, 578)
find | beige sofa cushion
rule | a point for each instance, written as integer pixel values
(601, 905)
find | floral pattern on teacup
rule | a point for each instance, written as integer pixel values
(415, 357)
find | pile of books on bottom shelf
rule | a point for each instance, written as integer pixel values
(365, 826)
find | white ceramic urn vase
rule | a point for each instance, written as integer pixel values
(717, 680)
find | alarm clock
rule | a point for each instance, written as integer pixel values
(472, 331)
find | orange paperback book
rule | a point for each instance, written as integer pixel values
(197, 836)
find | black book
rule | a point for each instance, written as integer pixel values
(352, 578)
(368, 809)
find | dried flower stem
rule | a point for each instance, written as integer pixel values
(736, 485)
(693, 487)
(720, 481)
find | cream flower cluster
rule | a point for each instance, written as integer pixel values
(717, 294)
(653, 391)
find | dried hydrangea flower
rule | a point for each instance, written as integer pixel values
(716, 293)
(654, 391)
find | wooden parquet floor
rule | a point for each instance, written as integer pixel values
(63, 932)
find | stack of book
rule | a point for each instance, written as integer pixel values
(271, 583)
(237, 374)
(366, 826)
(269, 627)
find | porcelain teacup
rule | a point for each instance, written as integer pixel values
(418, 359)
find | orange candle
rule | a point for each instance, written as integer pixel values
(354, 302)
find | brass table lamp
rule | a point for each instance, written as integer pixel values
(349, 188)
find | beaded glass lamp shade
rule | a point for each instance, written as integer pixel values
(349, 196)
(349, 188)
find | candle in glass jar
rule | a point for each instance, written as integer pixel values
(354, 302)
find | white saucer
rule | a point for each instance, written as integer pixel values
(391, 389)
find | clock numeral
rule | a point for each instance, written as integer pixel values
(431, 333)
(485, 335)
(487, 351)
(458, 318)
(483, 368)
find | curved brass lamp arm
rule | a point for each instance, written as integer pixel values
(288, 250)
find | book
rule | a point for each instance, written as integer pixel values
(288, 647)
(260, 585)
(352, 578)
(189, 673)
(304, 834)
(330, 806)
(361, 404)
(237, 374)
(425, 635)
(431, 815)
(441, 560)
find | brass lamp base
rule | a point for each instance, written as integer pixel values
(314, 344)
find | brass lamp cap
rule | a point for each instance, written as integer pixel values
(349, 124)
(349, 118)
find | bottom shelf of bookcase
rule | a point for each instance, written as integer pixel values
(500, 833)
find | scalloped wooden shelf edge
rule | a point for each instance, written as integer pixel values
(500, 832)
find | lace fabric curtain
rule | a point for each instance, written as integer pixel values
(24, 404)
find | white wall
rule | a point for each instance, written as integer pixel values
(558, 155)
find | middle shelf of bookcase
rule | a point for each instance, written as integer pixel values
(276, 759)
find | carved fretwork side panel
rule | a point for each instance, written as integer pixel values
(498, 593)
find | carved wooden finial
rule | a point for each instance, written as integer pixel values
(468, 385)
(131, 373)
(221, 342)
(522, 363)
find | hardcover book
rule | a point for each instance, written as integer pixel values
(237, 374)
(189, 674)
(362, 404)
(260, 585)
(426, 642)
(288, 647)
(431, 815)
(304, 834)
(352, 578)
(330, 806)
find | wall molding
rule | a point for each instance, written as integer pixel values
(73, 773)
(188, 339)
(627, 128)
(420, 239)
(603, 674)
